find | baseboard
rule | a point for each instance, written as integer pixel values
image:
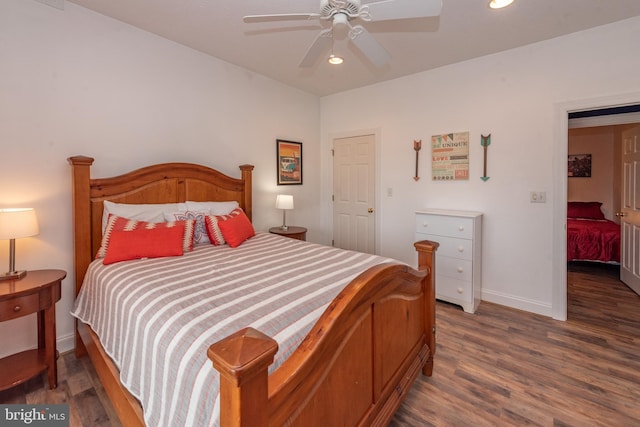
(519, 303)
(65, 343)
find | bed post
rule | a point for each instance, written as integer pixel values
(81, 166)
(243, 361)
(427, 261)
(246, 194)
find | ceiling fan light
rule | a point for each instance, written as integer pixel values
(340, 26)
(499, 4)
(335, 60)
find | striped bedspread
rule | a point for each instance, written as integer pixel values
(156, 318)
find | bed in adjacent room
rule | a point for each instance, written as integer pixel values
(298, 332)
(590, 236)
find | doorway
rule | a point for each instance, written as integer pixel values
(559, 256)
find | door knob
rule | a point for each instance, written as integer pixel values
(621, 214)
(370, 210)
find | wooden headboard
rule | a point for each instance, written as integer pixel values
(162, 183)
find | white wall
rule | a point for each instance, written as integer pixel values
(515, 96)
(599, 142)
(75, 82)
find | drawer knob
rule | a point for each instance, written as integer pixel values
(459, 290)
(460, 269)
(460, 248)
(17, 308)
(425, 224)
(461, 227)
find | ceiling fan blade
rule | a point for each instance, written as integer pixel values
(281, 17)
(320, 46)
(369, 46)
(400, 9)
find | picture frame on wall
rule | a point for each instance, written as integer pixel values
(579, 166)
(289, 156)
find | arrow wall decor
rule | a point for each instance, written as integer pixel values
(485, 141)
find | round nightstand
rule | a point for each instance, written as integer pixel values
(299, 233)
(37, 292)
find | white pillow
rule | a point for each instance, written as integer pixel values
(214, 208)
(200, 230)
(142, 212)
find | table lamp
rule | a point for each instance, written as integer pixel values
(15, 224)
(284, 202)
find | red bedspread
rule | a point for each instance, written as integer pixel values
(589, 240)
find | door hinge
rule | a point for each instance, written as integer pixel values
(332, 152)
(332, 242)
(333, 198)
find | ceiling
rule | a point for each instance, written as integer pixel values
(465, 29)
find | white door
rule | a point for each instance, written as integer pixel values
(354, 193)
(630, 214)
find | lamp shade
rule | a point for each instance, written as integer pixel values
(18, 223)
(284, 201)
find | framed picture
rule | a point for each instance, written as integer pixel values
(579, 166)
(289, 156)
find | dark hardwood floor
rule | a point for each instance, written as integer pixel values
(498, 367)
(503, 367)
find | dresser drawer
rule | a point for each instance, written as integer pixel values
(453, 290)
(453, 267)
(439, 225)
(450, 246)
(19, 306)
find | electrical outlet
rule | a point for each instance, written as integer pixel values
(538, 196)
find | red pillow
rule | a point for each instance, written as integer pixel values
(116, 223)
(236, 229)
(585, 210)
(144, 243)
(213, 230)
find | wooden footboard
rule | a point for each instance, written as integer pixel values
(354, 367)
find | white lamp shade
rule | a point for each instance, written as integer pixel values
(284, 201)
(18, 223)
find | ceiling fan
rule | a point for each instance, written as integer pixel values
(341, 13)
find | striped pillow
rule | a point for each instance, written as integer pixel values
(200, 230)
(116, 223)
(213, 229)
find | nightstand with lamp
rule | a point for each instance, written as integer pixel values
(285, 202)
(25, 292)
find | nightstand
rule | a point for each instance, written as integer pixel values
(37, 292)
(293, 232)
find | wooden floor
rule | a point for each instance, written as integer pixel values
(498, 367)
(502, 367)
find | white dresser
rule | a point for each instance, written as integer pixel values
(459, 256)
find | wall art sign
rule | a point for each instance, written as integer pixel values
(289, 155)
(450, 156)
(579, 166)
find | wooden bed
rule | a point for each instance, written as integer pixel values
(590, 236)
(353, 368)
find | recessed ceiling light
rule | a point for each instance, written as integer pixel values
(498, 4)
(335, 60)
